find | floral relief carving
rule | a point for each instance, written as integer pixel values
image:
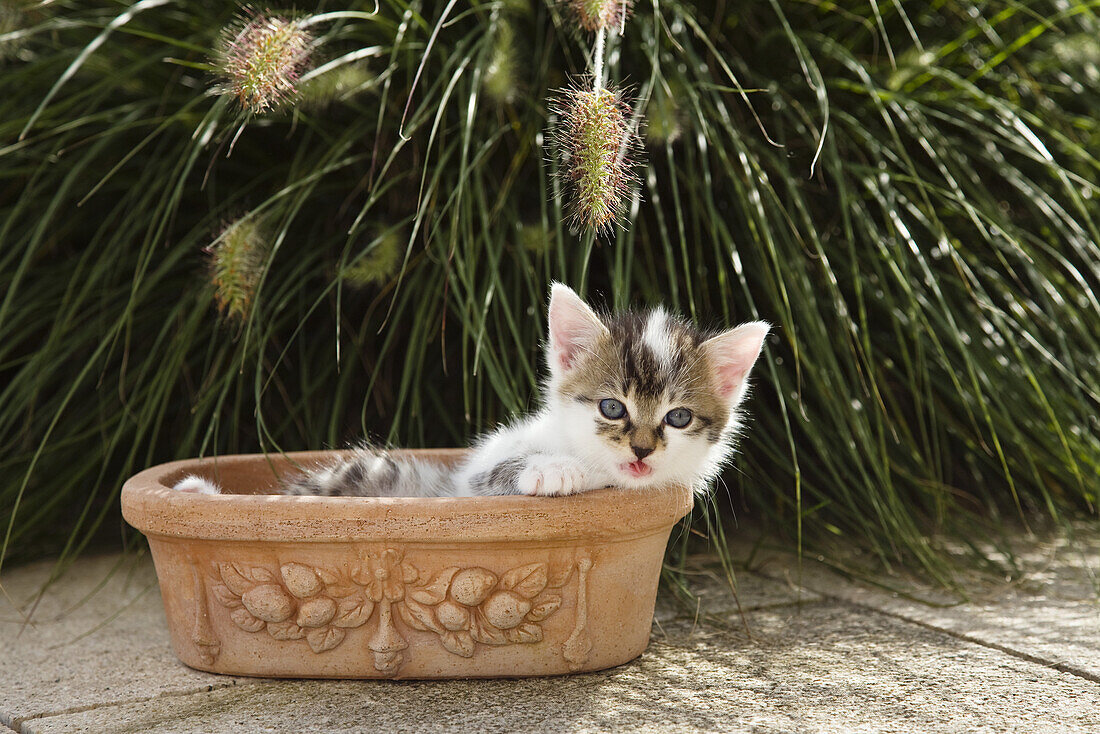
(298, 602)
(463, 607)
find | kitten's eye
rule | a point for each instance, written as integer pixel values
(678, 417)
(613, 409)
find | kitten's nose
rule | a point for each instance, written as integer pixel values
(641, 451)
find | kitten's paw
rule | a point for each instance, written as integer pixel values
(196, 485)
(549, 477)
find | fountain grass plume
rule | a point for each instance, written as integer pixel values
(664, 118)
(501, 83)
(339, 85)
(378, 264)
(260, 59)
(596, 141)
(597, 15)
(237, 260)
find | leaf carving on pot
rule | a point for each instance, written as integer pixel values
(524, 634)
(324, 638)
(285, 631)
(418, 616)
(484, 632)
(460, 643)
(340, 590)
(529, 580)
(234, 579)
(436, 589)
(353, 612)
(559, 573)
(328, 576)
(544, 608)
(244, 619)
(226, 597)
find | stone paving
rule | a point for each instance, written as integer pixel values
(807, 649)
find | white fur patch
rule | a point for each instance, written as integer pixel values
(552, 476)
(196, 485)
(657, 336)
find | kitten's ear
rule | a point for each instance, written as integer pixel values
(574, 327)
(732, 354)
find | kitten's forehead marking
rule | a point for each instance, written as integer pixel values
(658, 338)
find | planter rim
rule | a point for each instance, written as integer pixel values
(151, 506)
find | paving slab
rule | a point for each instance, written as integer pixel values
(96, 637)
(821, 667)
(827, 655)
(1050, 612)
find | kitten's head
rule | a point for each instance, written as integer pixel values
(647, 397)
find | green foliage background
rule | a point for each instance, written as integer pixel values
(905, 189)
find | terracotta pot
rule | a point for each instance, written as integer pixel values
(345, 587)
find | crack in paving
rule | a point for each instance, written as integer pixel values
(1061, 667)
(1035, 659)
(16, 724)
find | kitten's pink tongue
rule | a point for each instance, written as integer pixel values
(638, 468)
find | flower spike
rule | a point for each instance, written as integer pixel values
(598, 15)
(596, 141)
(237, 260)
(261, 59)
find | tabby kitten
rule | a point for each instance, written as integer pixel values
(633, 400)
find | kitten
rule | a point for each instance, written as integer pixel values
(633, 400)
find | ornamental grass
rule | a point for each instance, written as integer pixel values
(906, 190)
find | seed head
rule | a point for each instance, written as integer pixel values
(378, 264)
(663, 118)
(534, 238)
(500, 77)
(595, 139)
(261, 58)
(339, 85)
(237, 259)
(595, 15)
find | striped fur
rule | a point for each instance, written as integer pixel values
(370, 472)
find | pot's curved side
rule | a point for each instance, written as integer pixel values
(390, 609)
(326, 587)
